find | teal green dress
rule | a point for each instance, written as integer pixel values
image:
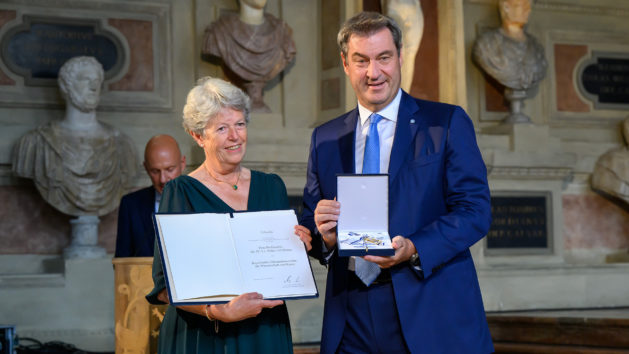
(184, 332)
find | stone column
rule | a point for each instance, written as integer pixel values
(84, 238)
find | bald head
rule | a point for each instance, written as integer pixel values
(163, 160)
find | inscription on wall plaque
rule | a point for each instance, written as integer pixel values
(604, 79)
(37, 48)
(520, 223)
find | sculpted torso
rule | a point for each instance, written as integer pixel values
(77, 174)
(611, 172)
(253, 45)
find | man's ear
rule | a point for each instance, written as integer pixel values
(344, 61)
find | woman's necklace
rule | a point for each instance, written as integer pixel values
(234, 186)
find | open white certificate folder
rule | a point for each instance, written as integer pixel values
(363, 225)
(211, 258)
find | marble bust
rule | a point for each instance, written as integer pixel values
(253, 45)
(611, 172)
(79, 165)
(511, 55)
(409, 16)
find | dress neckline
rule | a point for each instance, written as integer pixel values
(213, 195)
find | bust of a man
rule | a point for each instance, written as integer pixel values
(510, 54)
(79, 165)
(611, 172)
(253, 45)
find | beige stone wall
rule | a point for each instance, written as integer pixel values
(570, 31)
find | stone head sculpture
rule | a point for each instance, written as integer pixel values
(515, 12)
(80, 80)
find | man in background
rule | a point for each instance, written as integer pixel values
(163, 162)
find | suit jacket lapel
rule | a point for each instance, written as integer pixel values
(347, 136)
(148, 207)
(408, 121)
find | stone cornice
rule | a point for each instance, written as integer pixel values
(566, 7)
(540, 173)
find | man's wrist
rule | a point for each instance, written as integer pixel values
(329, 241)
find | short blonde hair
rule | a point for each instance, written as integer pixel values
(208, 98)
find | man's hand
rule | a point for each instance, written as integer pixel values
(326, 216)
(404, 249)
(163, 297)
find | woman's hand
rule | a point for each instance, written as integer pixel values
(241, 307)
(163, 297)
(304, 235)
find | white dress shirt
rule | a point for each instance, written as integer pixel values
(158, 198)
(386, 132)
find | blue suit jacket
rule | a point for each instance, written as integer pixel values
(439, 198)
(136, 235)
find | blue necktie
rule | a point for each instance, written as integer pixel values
(367, 271)
(371, 160)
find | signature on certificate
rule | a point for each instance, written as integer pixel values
(291, 279)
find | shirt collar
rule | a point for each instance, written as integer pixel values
(389, 112)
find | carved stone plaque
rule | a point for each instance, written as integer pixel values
(38, 48)
(520, 224)
(604, 79)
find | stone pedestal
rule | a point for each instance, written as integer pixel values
(84, 238)
(516, 102)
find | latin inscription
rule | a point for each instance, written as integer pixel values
(39, 48)
(518, 222)
(608, 80)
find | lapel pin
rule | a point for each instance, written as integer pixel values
(412, 121)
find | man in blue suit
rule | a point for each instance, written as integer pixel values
(426, 297)
(163, 162)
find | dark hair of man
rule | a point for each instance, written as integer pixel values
(365, 24)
